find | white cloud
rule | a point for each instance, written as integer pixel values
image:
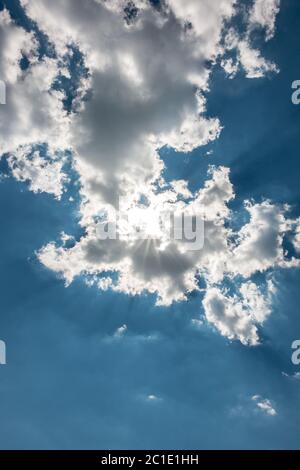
(230, 67)
(263, 14)
(65, 237)
(295, 376)
(104, 283)
(42, 174)
(164, 267)
(15, 42)
(146, 83)
(169, 269)
(250, 59)
(264, 405)
(237, 316)
(120, 331)
(255, 302)
(206, 20)
(33, 113)
(296, 236)
(196, 323)
(259, 246)
(153, 398)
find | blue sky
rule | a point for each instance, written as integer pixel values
(71, 383)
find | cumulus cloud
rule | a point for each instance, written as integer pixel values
(33, 113)
(166, 267)
(15, 43)
(229, 317)
(169, 269)
(263, 14)
(251, 60)
(260, 243)
(246, 56)
(148, 69)
(42, 174)
(137, 104)
(236, 316)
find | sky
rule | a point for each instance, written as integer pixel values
(130, 344)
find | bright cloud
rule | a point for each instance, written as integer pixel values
(263, 14)
(120, 331)
(42, 174)
(148, 70)
(246, 57)
(236, 316)
(264, 405)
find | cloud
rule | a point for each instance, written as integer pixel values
(251, 60)
(265, 405)
(147, 72)
(165, 267)
(236, 316)
(42, 174)
(15, 43)
(260, 242)
(169, 269)
(246, 57)
(120, 331)
(33, 114)
(228, 316)
(138, 105)
(153, 398)
(196, 323)
(295, 376)
(263, 14)
(295, 238)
